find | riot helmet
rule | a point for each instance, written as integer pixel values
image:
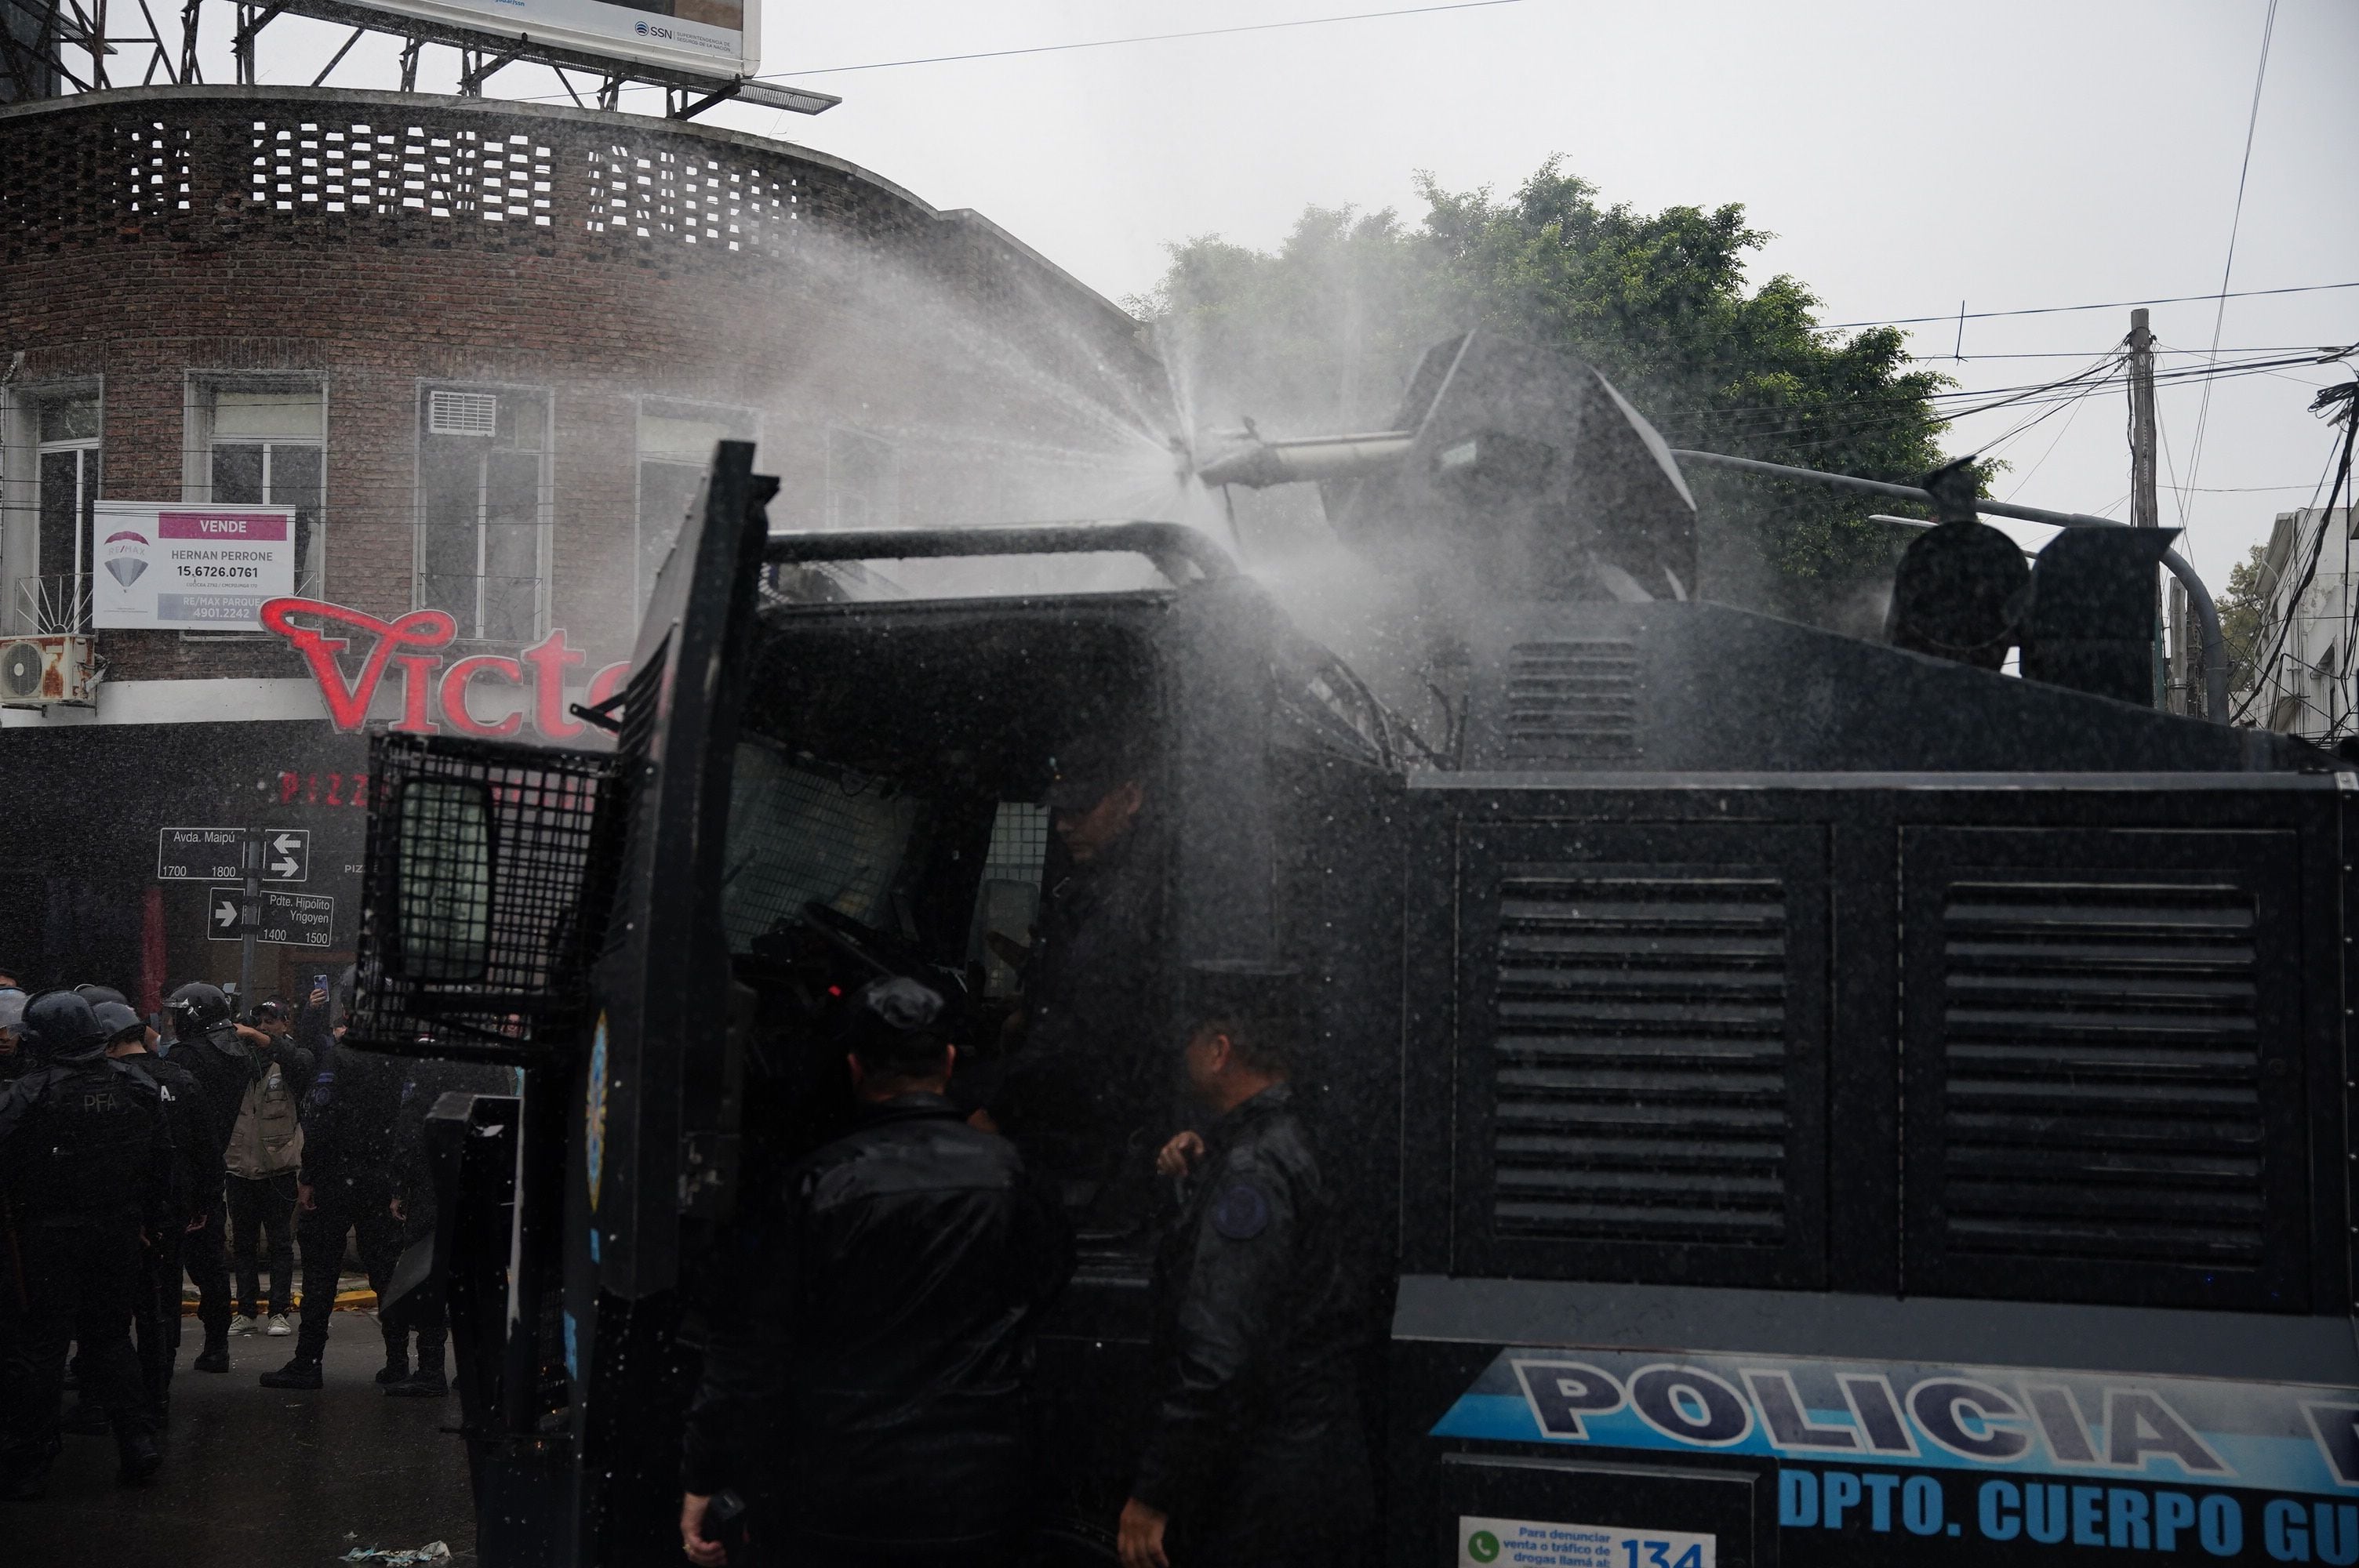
(119, 1021)
(60, 1025)
(197, 1007)
(97, 994)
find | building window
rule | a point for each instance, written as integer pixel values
(676, 442)
(864, 487)
(54, 596)
(482, 490)
(264, 443)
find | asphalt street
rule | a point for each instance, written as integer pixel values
(256, 1478)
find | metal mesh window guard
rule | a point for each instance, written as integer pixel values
(486, 902)
(1020, 843)
(799, 835)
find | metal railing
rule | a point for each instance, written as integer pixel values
(53, 606)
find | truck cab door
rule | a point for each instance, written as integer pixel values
(654, 1083)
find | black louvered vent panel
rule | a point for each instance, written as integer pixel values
(1640, 1059)
(1575, 700)
(2104, 1074)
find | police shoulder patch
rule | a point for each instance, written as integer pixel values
(1241, 1211)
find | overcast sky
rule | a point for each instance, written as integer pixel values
(1907, 158)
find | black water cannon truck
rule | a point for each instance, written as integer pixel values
(1805, 1099)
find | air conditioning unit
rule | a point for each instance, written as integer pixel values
(461, 414)
(40, 672)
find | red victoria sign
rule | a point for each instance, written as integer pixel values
(434, 694)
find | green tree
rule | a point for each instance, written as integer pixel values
(1321, 334)
(2243, 615)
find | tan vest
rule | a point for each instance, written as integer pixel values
(269, 1137)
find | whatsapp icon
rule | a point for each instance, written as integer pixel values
(1483, 1546)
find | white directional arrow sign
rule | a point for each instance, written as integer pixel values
(288, 919)
(287, 855)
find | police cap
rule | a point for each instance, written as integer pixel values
(1242, 988)
(895, 1025)
(1087, 769)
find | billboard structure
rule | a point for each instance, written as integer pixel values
(665, 38)
(169, 567)
(701, 52)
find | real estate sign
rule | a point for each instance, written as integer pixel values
(166, 566)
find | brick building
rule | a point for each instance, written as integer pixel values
(482, 352)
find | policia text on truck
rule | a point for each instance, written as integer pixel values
(1803, 1099)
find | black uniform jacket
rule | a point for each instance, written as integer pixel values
(222, 1066)
(1258, 1318)
(196, 1162)
(352, 1132)
(84, 1142)
(875, 1381)
(1091, 1070)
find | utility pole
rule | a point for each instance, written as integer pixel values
(250, 923)
(2146, 510)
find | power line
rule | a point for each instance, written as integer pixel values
(2235, 223)
(2062, 309)
(2323, 349)
(1140, 38)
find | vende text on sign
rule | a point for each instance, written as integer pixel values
(289, 919)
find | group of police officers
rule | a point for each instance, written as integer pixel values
(870, 1404)
(114, 1145)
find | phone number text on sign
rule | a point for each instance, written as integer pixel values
(1547, 1543)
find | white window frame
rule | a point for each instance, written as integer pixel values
(544, 532)
(21, 448)
(836, 488)
(197, 462)
(661, 405)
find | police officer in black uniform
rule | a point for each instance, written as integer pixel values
(889, 1349)
(197, 1170)
(1256, 1453)
(351, 1178)
(206, 1042)
(1086, 1078)
(85, 1165)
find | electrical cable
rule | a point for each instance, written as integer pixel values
(1140, 38)
(2235, 223)
(1083, 44)
(2065, 309)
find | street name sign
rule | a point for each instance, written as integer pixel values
(217, 854)
(200, 854)
(289, 919)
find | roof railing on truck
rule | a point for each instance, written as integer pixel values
(1172, 547)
